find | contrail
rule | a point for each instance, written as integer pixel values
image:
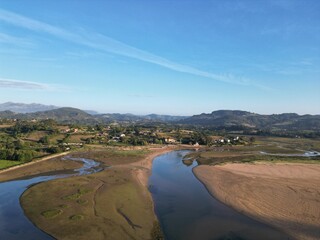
(110, 45)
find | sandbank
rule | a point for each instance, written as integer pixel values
(285, 196)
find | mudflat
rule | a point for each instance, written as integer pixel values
(283, 195)
(112, 204)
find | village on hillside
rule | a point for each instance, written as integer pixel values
(25, 140)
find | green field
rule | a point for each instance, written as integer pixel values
(275, 147)
(7, 163)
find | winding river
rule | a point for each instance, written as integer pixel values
(184, 207)
(13, 223)
(186, 210)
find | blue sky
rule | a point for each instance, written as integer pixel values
(167, 57)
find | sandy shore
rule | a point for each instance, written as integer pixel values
(142, 169)
(286, 196)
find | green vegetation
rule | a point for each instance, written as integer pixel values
(51, 213)
(72, 196)
(77, 217)
(242, 122)
(277, 150)
(6, 163)
(24, 140)
(76, 195)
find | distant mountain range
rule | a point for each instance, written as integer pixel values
(235, 119)
(62, 115)
(222, 119)
(31, 107)
(74, 115)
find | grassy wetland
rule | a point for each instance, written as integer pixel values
(111, 204)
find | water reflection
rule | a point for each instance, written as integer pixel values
(186, 210)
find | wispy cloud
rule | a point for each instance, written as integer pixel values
(17, 41)
(26, 85)
(106, 44)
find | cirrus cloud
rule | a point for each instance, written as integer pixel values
(107, 44)
(19, 84)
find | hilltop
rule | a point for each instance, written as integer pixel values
(236, 119)
(73, 115)
(230, 120)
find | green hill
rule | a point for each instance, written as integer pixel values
(235, 119)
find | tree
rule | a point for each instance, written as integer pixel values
(44, 140)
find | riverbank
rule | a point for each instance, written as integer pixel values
(285, 196)
(112, 204)
(52, 163)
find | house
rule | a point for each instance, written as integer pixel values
(115, 139)
(170, 140)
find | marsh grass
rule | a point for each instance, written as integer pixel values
(77, 195)
(73, 196)
(252, 154)
(92, 199)
(52, 213)
(83, 191)
(76, 217)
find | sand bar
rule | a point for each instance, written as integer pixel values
(286, 196)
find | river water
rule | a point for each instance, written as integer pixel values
(186, 210)
(14, 224)
(184, 207)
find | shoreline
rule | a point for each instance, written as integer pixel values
(210, 192)
(51, 163)
(104, 196)
(34, 161)
(143, 168)
(277, 198)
